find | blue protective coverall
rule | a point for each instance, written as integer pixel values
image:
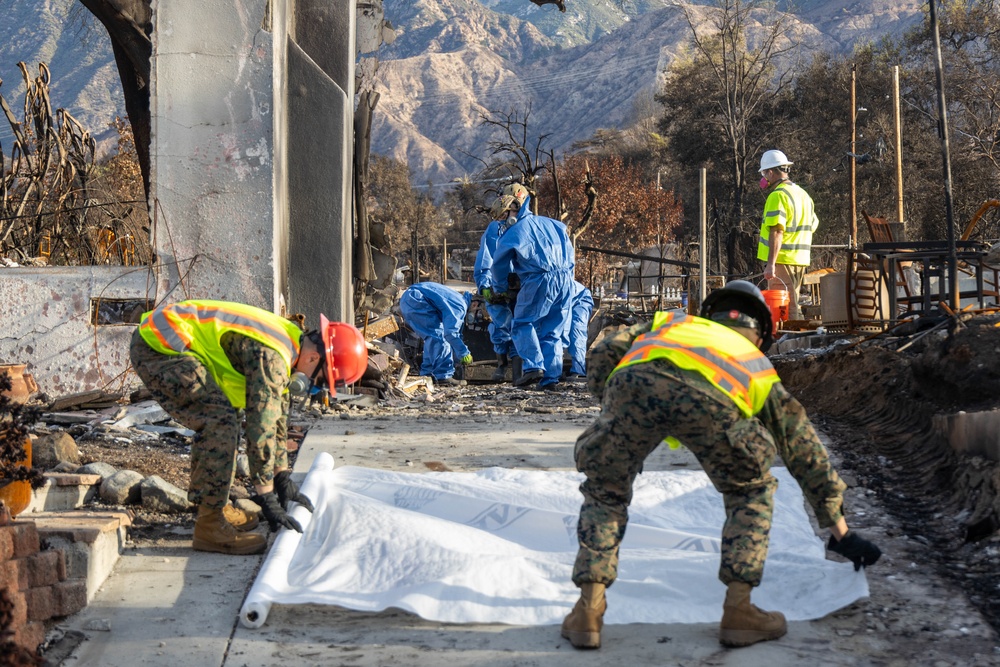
(500, 315)
(539, 251)
(577, 328)
(437, 314)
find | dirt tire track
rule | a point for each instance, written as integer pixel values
(878, 405)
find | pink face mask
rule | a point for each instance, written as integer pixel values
(763, 183)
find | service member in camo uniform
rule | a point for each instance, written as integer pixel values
(703, 382)
(204, 361)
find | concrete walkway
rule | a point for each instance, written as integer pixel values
(167, 605)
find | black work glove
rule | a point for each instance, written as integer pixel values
(856, 549)
(274, 513)
(287, 490)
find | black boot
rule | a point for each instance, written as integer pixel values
(503, 363)
(516, 364)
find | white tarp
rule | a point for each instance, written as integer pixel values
(497, 546)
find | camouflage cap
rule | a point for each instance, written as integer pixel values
(510, 199)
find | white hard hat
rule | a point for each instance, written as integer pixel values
(772, 158)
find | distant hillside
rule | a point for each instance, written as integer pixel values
(578, 71)
(77, 50)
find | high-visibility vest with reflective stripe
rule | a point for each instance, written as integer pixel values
(791, 207)
(196, 327)
(721, 355)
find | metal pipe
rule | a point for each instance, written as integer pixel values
(899, 143)
(854, 166)
(632, 255)
(946, 158)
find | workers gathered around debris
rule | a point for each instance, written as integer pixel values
(538, 250)
(204, 361)
(499, 310)
(436, 313)
(577, 330)
(786, 229)
(703, 382)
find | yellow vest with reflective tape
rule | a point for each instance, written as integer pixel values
(791, 207)
(196, 327)
(730, 362)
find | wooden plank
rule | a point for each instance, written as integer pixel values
(74, 400)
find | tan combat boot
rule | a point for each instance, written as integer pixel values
(583, 625)
(743, 623)
(241, 521)
(213, 533)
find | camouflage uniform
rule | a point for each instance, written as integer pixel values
(186, 389)
(643, 404)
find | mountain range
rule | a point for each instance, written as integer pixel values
(455, 60)
(578, 71)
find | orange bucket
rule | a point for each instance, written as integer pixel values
(777, 302)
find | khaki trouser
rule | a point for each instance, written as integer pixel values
(789, 278)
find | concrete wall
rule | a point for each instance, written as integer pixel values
(212, 150)
(252, 138)
(46, 323)
(320, 242)
(320, 70)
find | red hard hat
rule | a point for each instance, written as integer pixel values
(345, 351)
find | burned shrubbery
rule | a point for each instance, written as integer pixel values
(59, 205)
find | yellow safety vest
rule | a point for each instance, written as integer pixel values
(721, 355)
(791, 207)
(196, 327)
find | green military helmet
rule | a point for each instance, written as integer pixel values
(745, 298)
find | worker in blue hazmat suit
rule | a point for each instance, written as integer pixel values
(437, 314)
(539, 251)
(500, 313)
(577, 331)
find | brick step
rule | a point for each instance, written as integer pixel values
(92, 541)
(53, 563)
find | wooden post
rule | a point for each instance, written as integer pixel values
(703, 239)
(415, 260)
